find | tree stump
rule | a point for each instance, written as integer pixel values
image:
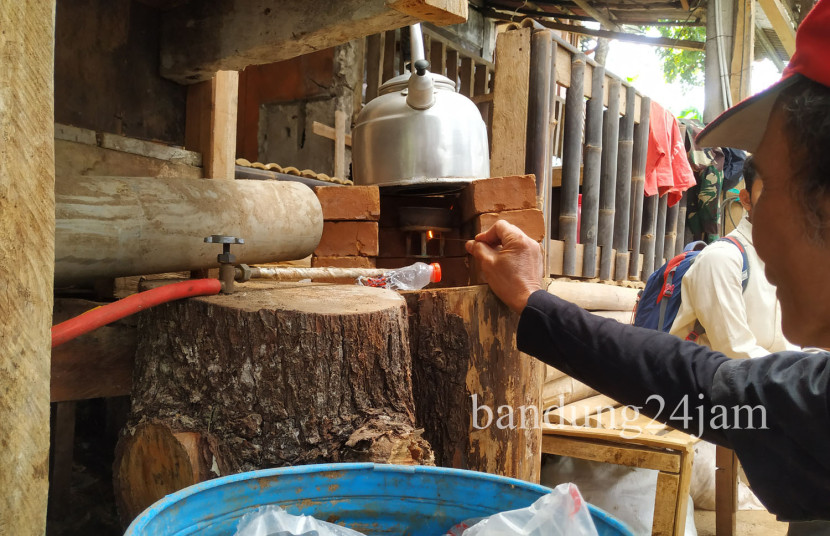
(462, 342)
(275, 374)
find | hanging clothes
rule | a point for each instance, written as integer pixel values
(667, 168)
(703, 200)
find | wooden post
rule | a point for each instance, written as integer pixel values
(638, 185)
(467, 76)
(340, 144)
(373, 70)
(591, 175)
(64, 446)
(211, 123)
(438, 57)
(608, 178)
(680, 241)
(671, 231)
(571, 162)
(649, 229)
(508, 143)
(538, 125)
(726, 491)
(452, 66)
(388, 56)
(660, 231)
(622, 212)
(743, 50)
(27, 212)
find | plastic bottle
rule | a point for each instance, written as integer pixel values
(413, 277)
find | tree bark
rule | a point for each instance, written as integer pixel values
(463, 345)
(278, 374)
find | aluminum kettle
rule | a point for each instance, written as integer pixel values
(419, 131)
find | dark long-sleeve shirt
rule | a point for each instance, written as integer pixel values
(774, 411)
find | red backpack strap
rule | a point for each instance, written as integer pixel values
(671, 266)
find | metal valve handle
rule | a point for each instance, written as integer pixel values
(225, 259)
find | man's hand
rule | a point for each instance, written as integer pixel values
(511, 262)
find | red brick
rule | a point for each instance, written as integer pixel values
(531, 221)
(455, 271)
(343, 262)
(348, 238)
(498, 194)
(349, 203)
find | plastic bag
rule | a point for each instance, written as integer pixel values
(561, 512)
(272, 520)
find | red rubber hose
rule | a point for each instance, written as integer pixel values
(101, 316)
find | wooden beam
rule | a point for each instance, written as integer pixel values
(328, 132)
(605, 20)
(27, 213)
(623, 36)
(340, 144)
(781, 23)
(743, 50)
(507, 154)
(218, 35)
(211, 123)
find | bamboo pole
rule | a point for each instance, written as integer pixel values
(538, 159)
(608, 178)
(638, 184)
(649, 229)
(680, 241)
(622, 213)
(591, 177)
(660, 234)
(571, 162)
(671, 231)
(552, 207)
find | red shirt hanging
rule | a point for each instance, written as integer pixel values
(667, 168)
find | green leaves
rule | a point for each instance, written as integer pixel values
(684, 66)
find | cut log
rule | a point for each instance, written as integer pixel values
(278, 374)
(564, 390)
(463, 346)
(595, 296)
(623, 317)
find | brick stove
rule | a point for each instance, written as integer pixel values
(366, 227)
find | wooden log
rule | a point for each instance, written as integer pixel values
(680, 241)
(671, 231)
(539, 125)
(660, 231)
(595, 296)
(27, 212)
(623, 317)
(648, 238)
(571, 162)
(622, 210)
(216, 35)
(374, 73)
(608, 179)
(508, 146)
(462, 342)
(638, 175)
(388, 57)
(591, 174)
(282, 374)
(577, 413)
(563, 391)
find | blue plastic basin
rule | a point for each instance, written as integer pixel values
(370, 498)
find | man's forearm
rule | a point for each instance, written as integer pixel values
(667, 378)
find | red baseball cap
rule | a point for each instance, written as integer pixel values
(743, 125)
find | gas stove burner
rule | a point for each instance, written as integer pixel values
(425, 189)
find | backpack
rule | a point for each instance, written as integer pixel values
(659, 302)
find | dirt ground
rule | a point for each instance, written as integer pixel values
(750, 522)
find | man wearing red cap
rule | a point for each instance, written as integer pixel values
(774, 411)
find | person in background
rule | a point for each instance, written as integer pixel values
(773, 411)
(739, 323)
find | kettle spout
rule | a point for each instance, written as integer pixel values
(421, 90)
